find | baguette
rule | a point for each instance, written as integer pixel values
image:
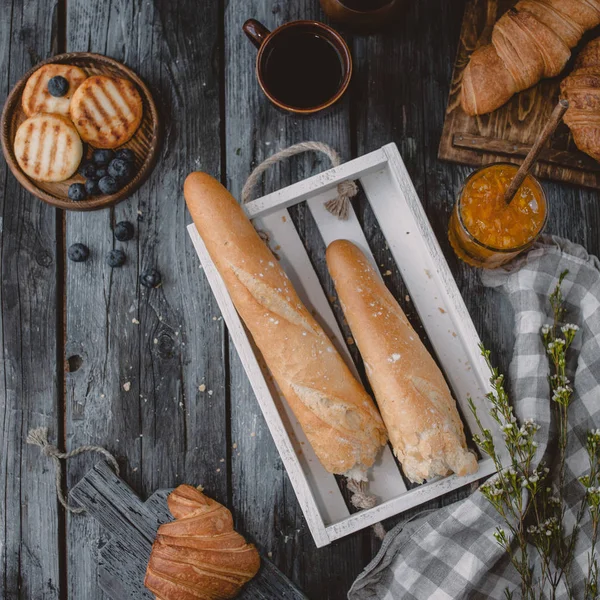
(418, 410)
(339, 418)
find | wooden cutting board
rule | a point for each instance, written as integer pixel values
(508, 133)
(131, 526)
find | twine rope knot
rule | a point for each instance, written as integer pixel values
(339, 207)
(363, 500)
(39, 437)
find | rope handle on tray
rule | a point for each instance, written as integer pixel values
(339, 207)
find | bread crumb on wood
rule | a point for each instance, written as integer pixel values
(135, 321)
(350, 340)
(387, 273)
(202, 387)
(127, 386)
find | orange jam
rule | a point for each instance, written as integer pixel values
(487, 232)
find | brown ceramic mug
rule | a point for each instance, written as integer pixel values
(302, 66)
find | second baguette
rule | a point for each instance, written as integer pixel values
(338, 416)
(419, 412)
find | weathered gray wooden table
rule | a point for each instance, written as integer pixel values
(96, 358)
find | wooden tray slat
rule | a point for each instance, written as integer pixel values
(506, 134)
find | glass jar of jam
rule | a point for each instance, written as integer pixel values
(487, 232)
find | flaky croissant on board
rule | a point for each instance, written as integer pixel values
(199, 556)
(530, 42)
(582, 89)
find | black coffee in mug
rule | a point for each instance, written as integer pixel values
(302, 68)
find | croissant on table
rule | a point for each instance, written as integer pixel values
(582, 89)
(530, 42)
(199, 556)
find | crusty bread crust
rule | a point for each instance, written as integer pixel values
(417, 407)
(199, 555)
(339, 418)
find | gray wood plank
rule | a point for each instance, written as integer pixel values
(29, 520)
(263, 500)
(145, 353)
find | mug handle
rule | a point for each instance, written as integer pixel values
(257, 33)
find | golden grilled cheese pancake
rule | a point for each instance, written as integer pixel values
(106, 111)
(36, 97)
(48, 147)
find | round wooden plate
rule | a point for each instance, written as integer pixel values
(144, 143)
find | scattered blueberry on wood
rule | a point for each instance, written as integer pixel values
(120, 169)
(77, 192)
(108, 185)
(91, 187)
(115, 258)
(125, 154)
(124, 231)
(78, 252)
(150, 278)
(88, 170)
(100, 173)
(58, 86)
(103, 156)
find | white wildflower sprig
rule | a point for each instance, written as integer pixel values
(530, 503)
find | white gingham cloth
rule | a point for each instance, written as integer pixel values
(451, 553)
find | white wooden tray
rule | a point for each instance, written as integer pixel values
(433, 291)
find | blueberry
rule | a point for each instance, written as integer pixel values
(108, 185)
(87, 170)
(58, 86)
(124, 231)
(77, 192)
(100, 173)
(91, 187)
(126, 154)
(103, 157)
(120, 169)
(115, 258)
(150, 278)
(78, 252)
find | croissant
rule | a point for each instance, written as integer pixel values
(199, 556)
(582, 89)
(531, 41)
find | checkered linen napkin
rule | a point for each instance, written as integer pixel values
(451, 552)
